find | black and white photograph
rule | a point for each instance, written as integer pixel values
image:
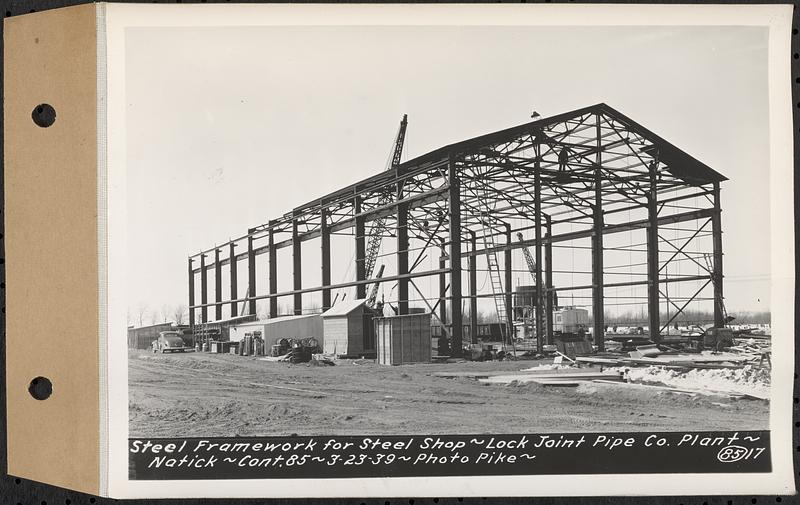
(517, 236)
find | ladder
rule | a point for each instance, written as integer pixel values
(709, 258)
(498, 293)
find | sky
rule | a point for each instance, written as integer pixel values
(230, 127)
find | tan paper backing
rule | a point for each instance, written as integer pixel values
(51, 247)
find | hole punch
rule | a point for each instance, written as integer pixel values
(41, 388)
(44, 115)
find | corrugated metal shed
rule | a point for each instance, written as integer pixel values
(142, 337)
(347, 329)
(404, 339)
(272, 330)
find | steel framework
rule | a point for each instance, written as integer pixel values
(591, 175)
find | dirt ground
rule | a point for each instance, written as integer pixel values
(199, 394)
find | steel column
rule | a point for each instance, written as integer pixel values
(234, 279)
(297, 269)
(251, 275)
(653, 301)
(203, 289)
(443, 288)
(548, 275)
(191, 295)
(537, 211)
(325, 246)
(508, 282)
(598, 306)
(273, 272)
(360, 231)
(454, 207)
(717, 276)
(402, 254)
(217, 286)
(473, 290)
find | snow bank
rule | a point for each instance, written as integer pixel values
(746, 380)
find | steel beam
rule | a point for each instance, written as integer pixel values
(454, 207)
(203, 289)
(344, 285)
(473, 290)
(598, 307)
(191, 295)
(273, 274)
(653, 300)
(414, 202)
(325, 250)
(297, 269)
(607, 230)
(360, 231)
(234, 278)
(717, 276)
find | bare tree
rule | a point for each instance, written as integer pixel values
(155, 316)
(141, 311)
(179, 313)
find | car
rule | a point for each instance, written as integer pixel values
(169, 341)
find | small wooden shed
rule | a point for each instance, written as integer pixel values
(347, 329)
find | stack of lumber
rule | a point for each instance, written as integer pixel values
(551, 377)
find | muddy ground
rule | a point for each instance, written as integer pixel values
(199, 394)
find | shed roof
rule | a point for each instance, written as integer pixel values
(230, 320)
(150, 326)
(344, 308)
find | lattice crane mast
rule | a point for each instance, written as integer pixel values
(528, 258)
(378, 227)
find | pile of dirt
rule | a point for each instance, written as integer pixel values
(748, 379)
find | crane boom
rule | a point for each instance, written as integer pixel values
(528, 258)
(399, 141)
(379, 225)
(372, 297)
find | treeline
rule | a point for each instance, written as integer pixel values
(688, 317)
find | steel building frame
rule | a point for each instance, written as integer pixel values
(577, 175)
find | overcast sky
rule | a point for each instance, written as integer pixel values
(230, 127)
